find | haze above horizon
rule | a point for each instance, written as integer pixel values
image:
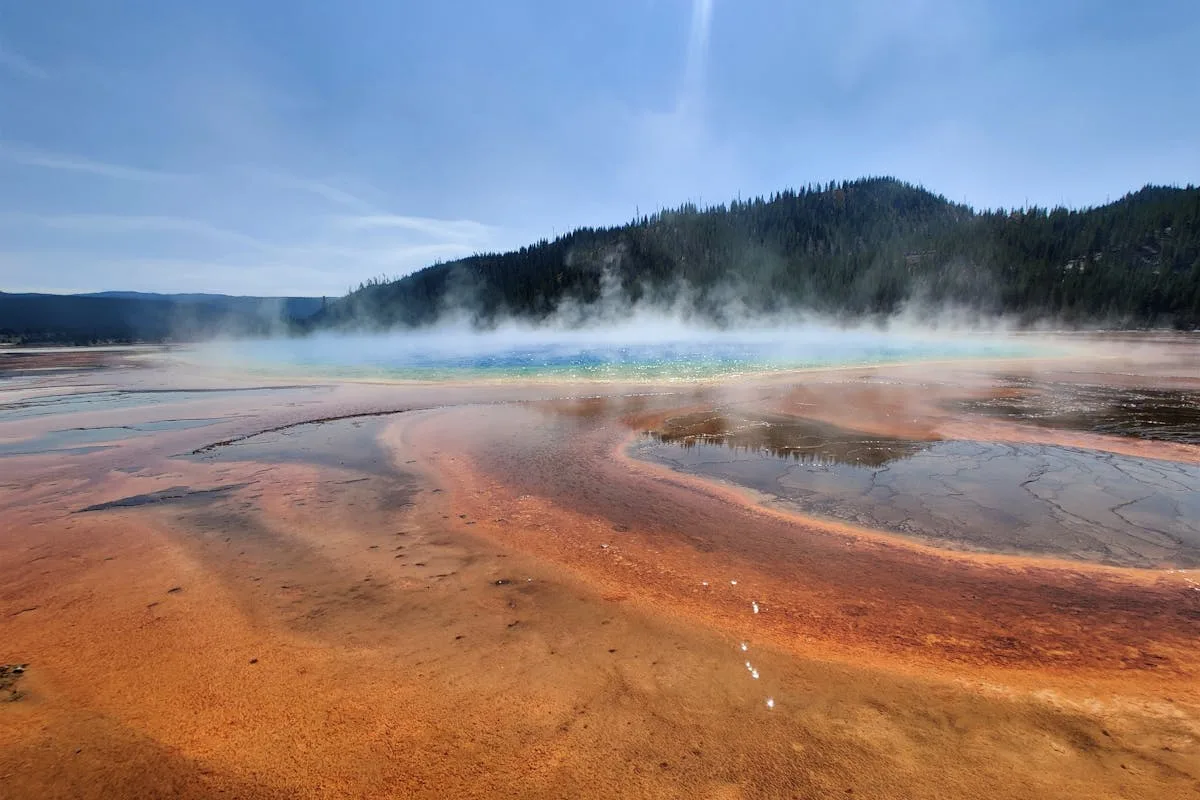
(298, 148)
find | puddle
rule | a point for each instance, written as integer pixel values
(175, 494)
(75, 440)
(1039, 499)
(64, 451)
(349, 443)
(126, 399)
(1162, 414)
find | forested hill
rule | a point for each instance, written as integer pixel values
(859, 248)
(107, 317)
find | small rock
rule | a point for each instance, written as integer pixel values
(9, 674)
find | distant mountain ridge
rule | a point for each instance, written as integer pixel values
(118, 316)
(297, 307)
(856, 249)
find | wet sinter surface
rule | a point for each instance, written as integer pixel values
(1171, 415)
(471, 591)
(1001, 497)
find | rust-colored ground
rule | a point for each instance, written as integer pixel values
(494, 600)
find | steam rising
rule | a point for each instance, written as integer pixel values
(643, 345)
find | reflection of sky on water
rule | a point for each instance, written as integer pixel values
(1026, 498)
(73, 440)
(122, 399)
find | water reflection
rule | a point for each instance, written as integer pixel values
(1012, 498)
(77, 440)
(127, 399)
(806, 441)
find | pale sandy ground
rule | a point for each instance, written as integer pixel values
(498, 602)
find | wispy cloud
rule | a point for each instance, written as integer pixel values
(453, 229)
(33, 157)
(128, 223)
(16, 62)
(330, 193)
(333, 194)
(393, 257)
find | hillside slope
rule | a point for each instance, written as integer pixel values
(859, 248)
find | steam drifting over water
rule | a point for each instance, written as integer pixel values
(654, 350)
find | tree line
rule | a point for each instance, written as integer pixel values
(856, 248)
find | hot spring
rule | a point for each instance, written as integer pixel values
(661, 352)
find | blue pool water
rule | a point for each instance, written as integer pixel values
(649, 353)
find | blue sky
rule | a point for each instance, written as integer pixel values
(298, 147)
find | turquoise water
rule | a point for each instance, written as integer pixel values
(625, 354)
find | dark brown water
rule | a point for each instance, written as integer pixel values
(1163, 414)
